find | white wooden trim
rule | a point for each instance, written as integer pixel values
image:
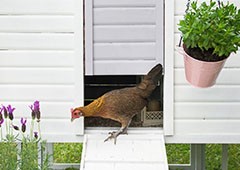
(79, 68)
(88, 37)
(159, 31)
(169, 71)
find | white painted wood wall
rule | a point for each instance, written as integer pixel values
(206, 115)
(123, 37)
(41, 59)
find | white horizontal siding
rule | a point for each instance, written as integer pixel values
(133, 33)
(36, 58)
(40, 50)
(123, 67)
(117, 16)
(36, 41)
(203, 114)
(124, 3)
(136, 51)
(207, 110)
(37, 75)
(37, 7)
(32, 23)
(123, 31)
(37, 92)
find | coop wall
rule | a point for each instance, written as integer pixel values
(123, 37)
(41, 59)
(206, 115)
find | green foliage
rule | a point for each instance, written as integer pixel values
(208, 26)
(234, 157)
(213, 156)
(67, 152)
(8, 156)
(178, 154)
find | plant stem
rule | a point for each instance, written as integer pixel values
(1, 134)
(31, 129)
(39, 130)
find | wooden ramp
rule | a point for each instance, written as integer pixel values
(141, 151)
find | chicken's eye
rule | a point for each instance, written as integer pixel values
(75, 114)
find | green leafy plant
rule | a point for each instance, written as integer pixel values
(212, 28)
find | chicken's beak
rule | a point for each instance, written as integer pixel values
(72, 119)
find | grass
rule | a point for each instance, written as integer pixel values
(67, 152)
(177, 154)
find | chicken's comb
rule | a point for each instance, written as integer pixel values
(71, 110)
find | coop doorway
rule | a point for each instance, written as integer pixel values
(96, 86)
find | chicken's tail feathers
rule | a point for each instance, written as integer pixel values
(156, 71)
(150, 80)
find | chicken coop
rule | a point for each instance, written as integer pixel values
(66, 53)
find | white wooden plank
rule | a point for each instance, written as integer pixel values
(33, 23)
(36, 41)
(232, 61)
(159, 18)
(37, 75)
(37, 92)
(89, 37)
(134, 33)
(49, 110)
(125, 3)
(37, 7)
(109, 67)
(123, 51)
(207, 110)
(229, 138)
(214, 127)
(181, 5)
(214, 94)
(79, 63)
(168, 94)
(125, 16)
(226, 77)
(36, 58)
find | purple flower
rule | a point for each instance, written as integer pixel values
(1, 122)
(10, 111)
(35, 110)
(5, 112)
(1, 117)
(35, 135)
(23, 122)
(15, 127)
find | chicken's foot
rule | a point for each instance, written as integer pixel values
(115, 134)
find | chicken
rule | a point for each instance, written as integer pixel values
(122, 104)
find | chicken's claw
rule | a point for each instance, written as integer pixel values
(113, 135)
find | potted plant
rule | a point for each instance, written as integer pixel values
(210, 33)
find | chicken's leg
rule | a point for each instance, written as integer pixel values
(122, 130)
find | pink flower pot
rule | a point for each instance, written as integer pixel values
(201, 73)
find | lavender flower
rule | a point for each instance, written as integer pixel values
(23, 122)
(5, 112)
(15, 127)
(1, 122)
(35, 110)
(35, 135)
(10, 111)
(1, 117)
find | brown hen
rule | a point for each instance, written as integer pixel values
(123, 104)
